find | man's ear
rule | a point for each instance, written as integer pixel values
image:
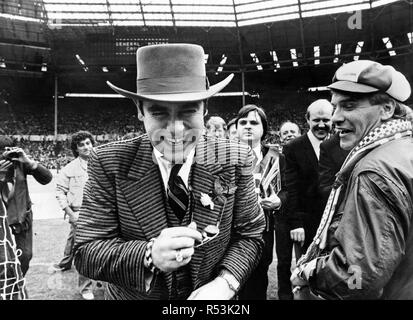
(139, 107)
(205, 107)
(387, 110)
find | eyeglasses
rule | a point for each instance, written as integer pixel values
(211, 231)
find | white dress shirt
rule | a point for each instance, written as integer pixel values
(315, 143)
(165, 167)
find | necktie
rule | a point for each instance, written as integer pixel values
(254, 162)
(177, 193)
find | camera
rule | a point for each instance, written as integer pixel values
(9, 156)
(12, 155)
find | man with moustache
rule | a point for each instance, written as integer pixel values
(363, 248)
(171, 214)
(302, 155)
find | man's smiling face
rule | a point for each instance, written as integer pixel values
(354, 118)
(173, 128)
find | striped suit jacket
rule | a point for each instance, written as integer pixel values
(125, 204)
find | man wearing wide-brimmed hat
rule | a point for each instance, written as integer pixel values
(171, 214)
(363, 248)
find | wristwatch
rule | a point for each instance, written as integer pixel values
(230, 279)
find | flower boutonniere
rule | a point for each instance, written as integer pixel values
(223, 189)
(207, 201)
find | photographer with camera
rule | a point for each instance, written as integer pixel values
(15, 165)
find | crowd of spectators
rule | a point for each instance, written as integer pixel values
(53, 155)
(110, 116)
(97, 116)
(115, 119)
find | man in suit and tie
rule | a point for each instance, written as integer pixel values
(269, 171)
(305, 205)
(171, 214)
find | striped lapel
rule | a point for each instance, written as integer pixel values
(144, 191)
(202, 180)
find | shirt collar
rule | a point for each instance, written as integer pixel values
(315, 142)
(165, 167)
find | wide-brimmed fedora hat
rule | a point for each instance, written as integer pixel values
(172, 73)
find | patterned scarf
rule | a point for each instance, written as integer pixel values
(388, 131)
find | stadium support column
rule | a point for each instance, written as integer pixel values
(243, 85)
(302, 32)
(240, 55)
(55, 107)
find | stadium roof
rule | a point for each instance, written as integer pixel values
(176, 13)
(324, 34)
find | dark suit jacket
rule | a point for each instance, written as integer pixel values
(331, 159)
(304, 203)
(125, 205)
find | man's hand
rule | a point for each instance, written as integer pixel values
(272, 202)
(18, 154)
(171, 241)
(217, 289)
(298, 235)
(73, 215)
(5, 165)
(297, 281)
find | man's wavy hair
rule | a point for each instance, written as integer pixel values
(78, 137)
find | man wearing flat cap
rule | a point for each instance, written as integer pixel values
(171, 214)
(363, 248)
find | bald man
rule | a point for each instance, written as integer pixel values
(302, 154)
(289, 131)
